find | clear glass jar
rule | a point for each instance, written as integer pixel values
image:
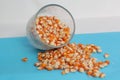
(49, 10)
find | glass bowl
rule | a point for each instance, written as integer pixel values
(49, 10)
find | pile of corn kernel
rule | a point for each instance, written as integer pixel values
(71, 58)
(52, 31)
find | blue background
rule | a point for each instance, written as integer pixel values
(12, 50)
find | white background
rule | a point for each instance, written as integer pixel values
(91, 16)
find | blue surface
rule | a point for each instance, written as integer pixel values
(12, 50)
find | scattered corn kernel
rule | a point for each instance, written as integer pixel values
(81, 70)
(25, 59)
(102, 75)
(71, 58)
(106, 55)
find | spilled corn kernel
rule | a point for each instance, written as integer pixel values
(71, 58)
(24, 59)
(106, 55)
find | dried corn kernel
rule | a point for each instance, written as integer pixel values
(106, 55)
(81, 70)
(25, 59)
(50, 30)
(71, 58)
(102, 75)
